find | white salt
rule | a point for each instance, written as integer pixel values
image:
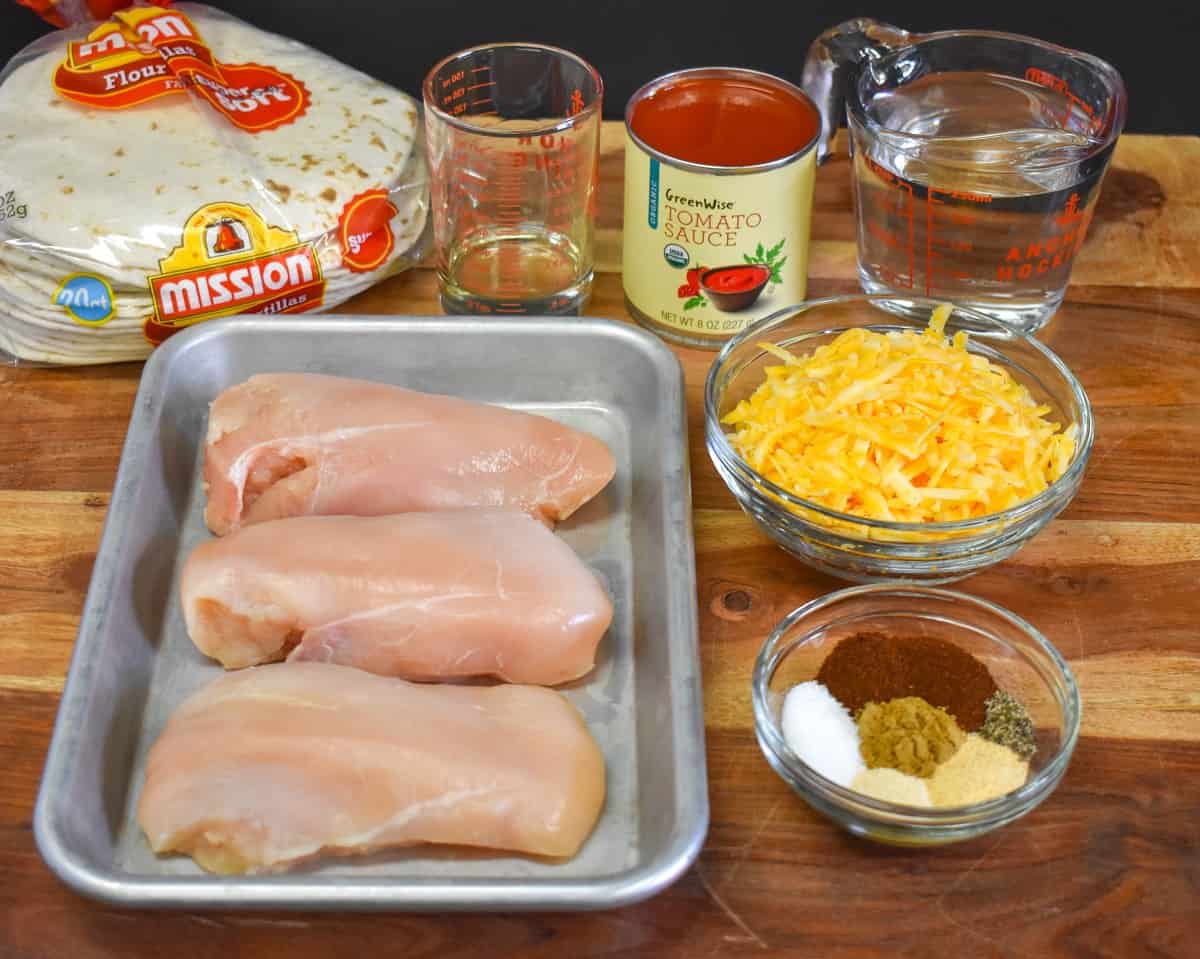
(821, 731)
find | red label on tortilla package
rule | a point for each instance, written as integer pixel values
(254, 97)
(365, 231)
(150, 52)
(230, 261)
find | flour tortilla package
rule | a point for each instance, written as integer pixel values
(171, 164)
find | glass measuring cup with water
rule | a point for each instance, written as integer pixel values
(513, 140)
(977, 159)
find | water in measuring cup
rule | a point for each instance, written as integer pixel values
(976, 191)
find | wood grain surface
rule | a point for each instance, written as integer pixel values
(1108, 866)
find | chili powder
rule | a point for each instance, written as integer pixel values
(875, 668)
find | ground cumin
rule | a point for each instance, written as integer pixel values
(873, 667)
(907, 734)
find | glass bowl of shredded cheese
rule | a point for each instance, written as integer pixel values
(878, 448)
(801, 716)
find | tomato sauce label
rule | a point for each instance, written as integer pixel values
(231, 261)
(706, 254)
(146, 53)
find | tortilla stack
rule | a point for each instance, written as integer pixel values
(98, 199)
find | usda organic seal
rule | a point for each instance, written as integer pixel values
(676, 255)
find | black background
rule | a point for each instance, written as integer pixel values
(1155, 45)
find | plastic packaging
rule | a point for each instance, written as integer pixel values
(170, 165)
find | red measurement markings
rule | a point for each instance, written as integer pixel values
(912, 242)
(931, 203)
(885, 236)
(543, 166)
(459, 93)
(954, 218)
(938, 212)
(894, 205)
(953, 246)
(1046, 79)
(508, 191)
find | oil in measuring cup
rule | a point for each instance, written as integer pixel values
(512, 132)
(519, 250)
(970, 190)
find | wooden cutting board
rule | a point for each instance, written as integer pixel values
(1108, 866)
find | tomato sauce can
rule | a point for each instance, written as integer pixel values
(719, 171)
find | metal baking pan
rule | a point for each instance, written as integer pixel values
(133, 662)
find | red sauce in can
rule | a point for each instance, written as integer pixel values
(725, 121)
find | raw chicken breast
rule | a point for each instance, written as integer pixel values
(297, 444)
(271, 765)
(420, 595)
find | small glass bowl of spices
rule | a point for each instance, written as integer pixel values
(913, 715)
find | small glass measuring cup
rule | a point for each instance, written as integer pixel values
(513, 140)
(977, 159)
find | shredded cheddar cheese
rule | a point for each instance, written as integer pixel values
(902, 426)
